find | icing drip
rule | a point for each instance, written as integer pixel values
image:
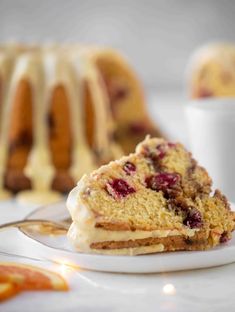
(60, 71)
(5, 74)
(44, 69)
(39, 167)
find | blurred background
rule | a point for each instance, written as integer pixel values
(157, 36)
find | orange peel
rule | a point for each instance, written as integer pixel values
(7, 290)
(28, 277)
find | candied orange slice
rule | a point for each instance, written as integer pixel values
(7, 290)
(28, 277)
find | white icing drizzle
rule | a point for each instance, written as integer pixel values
(39, 167)
(5, 73)
(59, 71)
(43, 69)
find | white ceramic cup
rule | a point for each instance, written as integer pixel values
(211, 126)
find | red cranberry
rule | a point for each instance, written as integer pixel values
(224, 238)
(162, 181)
(171, 145)
(205, 93)
(117, 90)
(119, 188)
(120, 94)
(138, 128)
(129, 168)
(193, 219)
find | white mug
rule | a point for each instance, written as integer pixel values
(211, 126)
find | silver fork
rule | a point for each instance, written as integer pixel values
(63, 225)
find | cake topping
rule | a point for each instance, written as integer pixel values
(119, 188)
(129, 168)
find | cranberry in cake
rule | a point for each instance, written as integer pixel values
(154, 200)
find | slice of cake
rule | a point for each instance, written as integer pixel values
(157, 199)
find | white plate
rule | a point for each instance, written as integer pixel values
(57, 248)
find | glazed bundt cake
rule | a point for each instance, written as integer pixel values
(212, 71)
(157, 199)
(64, 111)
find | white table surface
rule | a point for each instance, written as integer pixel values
(197, 290)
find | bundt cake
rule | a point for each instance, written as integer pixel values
(156, 199)
(212, 71)
(64, 111)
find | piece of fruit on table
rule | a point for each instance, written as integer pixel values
(27, 277)
(7, 290)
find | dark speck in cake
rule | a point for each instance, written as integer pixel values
(138, 128)
(193, 218)
(205, 93)
(224, 238)
(119, 188)
(129, 168)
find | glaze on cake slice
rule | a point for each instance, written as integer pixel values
(157, 199)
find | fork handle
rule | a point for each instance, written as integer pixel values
(23, 223)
